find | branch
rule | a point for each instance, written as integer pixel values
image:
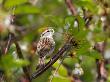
(25, 69)
(71, 7)
(20, 55)
(101, 70)
(102, 73)
(66, 47)
(4, 51)
(8, 44)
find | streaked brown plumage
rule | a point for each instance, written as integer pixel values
(45, 45)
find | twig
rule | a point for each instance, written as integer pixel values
(8, 44)
(66, 47)
(71, 7)
(25, 69)
(4, 52)
(102, 75)
(101, 71)
(57, 67)
(20, 55)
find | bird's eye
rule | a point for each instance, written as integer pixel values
(48, 31)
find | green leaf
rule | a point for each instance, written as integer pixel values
(70, 20)
(89, 4)
(99, 37)
(8, 62)
(91, 53)
(26, 9)
(60, 79)
(83, 47)
(79, 31)
(55, 20)
(12, 3)
(81, 22)
(88, 64)
(94, 54)
(69, 23)
(62, 70)
(1, 1)
(70, 62)
(81, 34)
(20, 62)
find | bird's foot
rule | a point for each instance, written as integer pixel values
(40, 66)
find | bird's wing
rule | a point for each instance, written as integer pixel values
(44, 46)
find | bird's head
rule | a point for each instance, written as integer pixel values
(48, 33)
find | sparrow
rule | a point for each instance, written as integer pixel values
(45, 45)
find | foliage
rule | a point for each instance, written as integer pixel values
(32, 17)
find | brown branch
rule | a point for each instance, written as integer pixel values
(4, 51)
(20, 55)
(71, 7)
(102, 74)
(7, 44)
(12, 38)
(101, 70)
(66, 47)
(25, 69)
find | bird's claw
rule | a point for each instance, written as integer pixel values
(40, 66)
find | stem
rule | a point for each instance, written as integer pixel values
(58, 67)
(20, 55)
(8, 44)
(101, 70)
(71, 7)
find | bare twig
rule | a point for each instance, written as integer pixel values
(102, 74)
(25, 69)
(12, 39)
(101, 70)
(51, 78)
(71, 7)
(8, 44)
(4, 52)
(20, 55)
(67, 46)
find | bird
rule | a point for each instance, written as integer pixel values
(45, 45)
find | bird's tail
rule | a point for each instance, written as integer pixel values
(41, 62)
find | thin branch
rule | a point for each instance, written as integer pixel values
(101, 70)
(7, 44)
(20, 55)
(4, 51)
(58, 67)
(71, 7)
(25, 69)
(102, 74)
(66, 47)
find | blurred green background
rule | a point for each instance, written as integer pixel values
(31, 17)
